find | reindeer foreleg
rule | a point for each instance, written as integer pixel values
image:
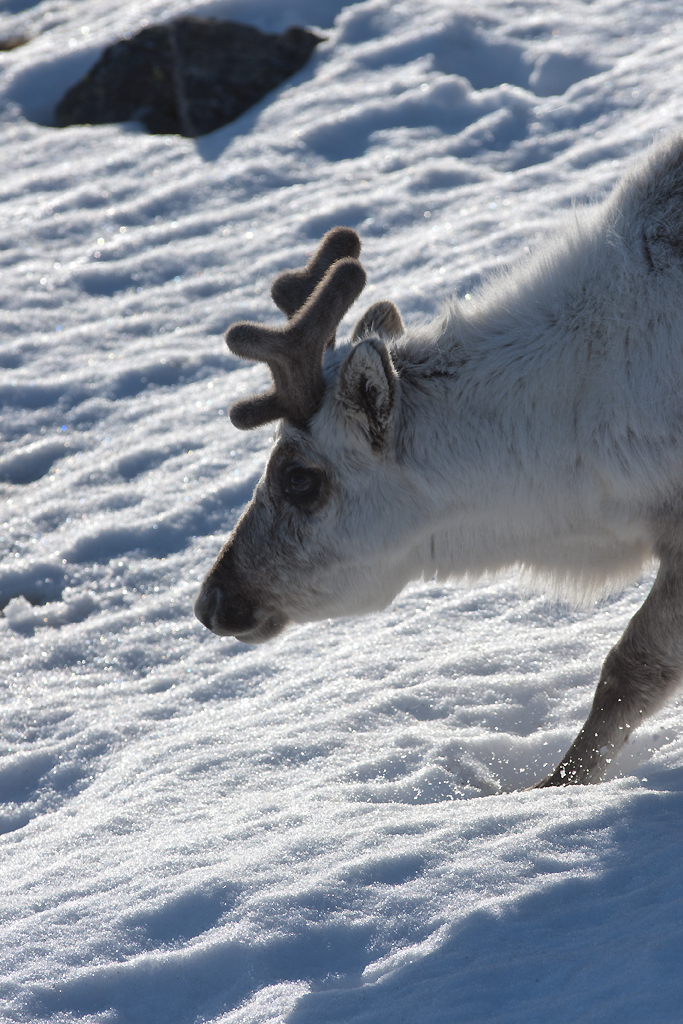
(638, 675)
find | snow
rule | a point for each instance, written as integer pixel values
(329, 827)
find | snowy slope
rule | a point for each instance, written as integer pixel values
(328, 827)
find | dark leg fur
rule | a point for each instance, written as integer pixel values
(638, 675)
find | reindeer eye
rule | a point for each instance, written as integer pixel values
(302, 486)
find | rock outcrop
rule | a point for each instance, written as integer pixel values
(187, 77)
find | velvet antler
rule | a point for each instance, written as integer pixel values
(314, 299)
(292, 288)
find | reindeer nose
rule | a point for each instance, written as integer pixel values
(204, 605)
(223, 616)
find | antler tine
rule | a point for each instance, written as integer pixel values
(295, 352)
(292, 288)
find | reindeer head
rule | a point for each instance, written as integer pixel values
(298, 552)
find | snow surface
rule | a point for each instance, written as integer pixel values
(328, 827)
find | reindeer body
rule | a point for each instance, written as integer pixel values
(539, 425)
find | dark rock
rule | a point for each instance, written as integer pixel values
(187, 77)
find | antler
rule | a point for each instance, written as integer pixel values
(314, 298)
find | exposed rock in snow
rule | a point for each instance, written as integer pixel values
(187, 77)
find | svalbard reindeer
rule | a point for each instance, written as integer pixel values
(540, 425)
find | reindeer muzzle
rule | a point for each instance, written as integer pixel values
(235, 616)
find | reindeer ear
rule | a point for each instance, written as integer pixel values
(367, 390)
(381, 317)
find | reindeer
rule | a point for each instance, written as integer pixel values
(539, 425)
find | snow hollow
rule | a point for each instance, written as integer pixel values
(329, 827)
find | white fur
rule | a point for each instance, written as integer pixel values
(555, 440)
(539, 425)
